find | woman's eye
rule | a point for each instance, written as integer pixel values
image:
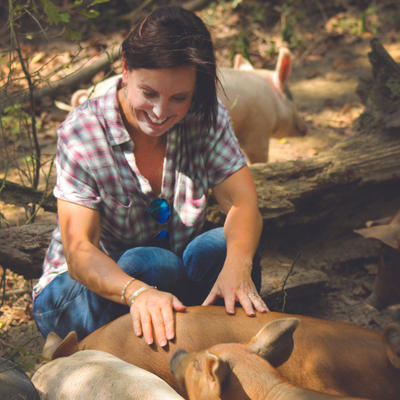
(149, 95)
(180, 98)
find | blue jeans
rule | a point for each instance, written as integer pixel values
(65, 305)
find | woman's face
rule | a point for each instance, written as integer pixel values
(158, 98)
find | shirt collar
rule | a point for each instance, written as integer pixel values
(108, 104)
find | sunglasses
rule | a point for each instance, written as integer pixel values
(160, 210)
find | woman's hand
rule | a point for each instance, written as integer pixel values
(154, 308)
(237, 196)
(234, 284)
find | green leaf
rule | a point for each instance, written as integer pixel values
(76, 4)
(235, 3)
(51, 11)
(29, 365)
(21, 349)
(73, 35)
(65, 17)
(90, 13)
(99, 1)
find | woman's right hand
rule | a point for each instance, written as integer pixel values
(154, 308)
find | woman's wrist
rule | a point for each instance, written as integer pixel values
(124, 290)
(138, 292)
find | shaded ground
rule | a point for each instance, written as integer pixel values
(327, 65)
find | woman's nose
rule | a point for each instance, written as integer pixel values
(160, 109)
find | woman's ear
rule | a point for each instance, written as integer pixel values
(124, 72)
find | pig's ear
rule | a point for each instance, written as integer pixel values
(241, 63)
(391, 339)
(283, 66)
(274, 342)
(79, 97)
(388, 234)
(52, 342)
(216, 373)
(382, 221)
(67, 347)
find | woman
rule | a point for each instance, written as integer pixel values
(134, 167)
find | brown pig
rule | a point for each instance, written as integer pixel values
(330, 357)
(386, 289)
(233, 371)
(258, 101)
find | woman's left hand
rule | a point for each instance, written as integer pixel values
(234, 284)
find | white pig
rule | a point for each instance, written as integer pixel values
(96, 375)
(259, 104)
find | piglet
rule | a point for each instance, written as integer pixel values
(244, 372)
(260, 105)
(94, 375)
(386, 289)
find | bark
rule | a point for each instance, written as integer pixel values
(23, 249)
(22, 196)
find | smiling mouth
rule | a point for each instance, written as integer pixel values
(155, 120)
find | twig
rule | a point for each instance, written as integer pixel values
(16, 292)
(3, 284)
(321, 8)
(283, 292)
(132, 15)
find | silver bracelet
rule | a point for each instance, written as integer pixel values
(124, 289)
(139, 292)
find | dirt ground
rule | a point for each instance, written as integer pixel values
(327, 65)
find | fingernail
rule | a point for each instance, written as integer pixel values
(231, 311)
(170, 336)
(137, 333)
(149, 341)
(163, 343)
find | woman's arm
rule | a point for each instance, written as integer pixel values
(80, 233)
(238, 198)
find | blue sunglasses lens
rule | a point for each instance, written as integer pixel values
(159, 209)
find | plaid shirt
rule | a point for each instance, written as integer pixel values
(96, 168)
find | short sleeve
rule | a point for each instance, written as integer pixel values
(74, 181)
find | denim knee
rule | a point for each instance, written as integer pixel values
(205, 255)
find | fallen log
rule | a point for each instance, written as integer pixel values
(23, 249)
(23, 196)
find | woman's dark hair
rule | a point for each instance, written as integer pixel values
(174, 37)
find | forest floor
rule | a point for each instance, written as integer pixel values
(329, 58)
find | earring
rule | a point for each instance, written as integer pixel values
(124, 92)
